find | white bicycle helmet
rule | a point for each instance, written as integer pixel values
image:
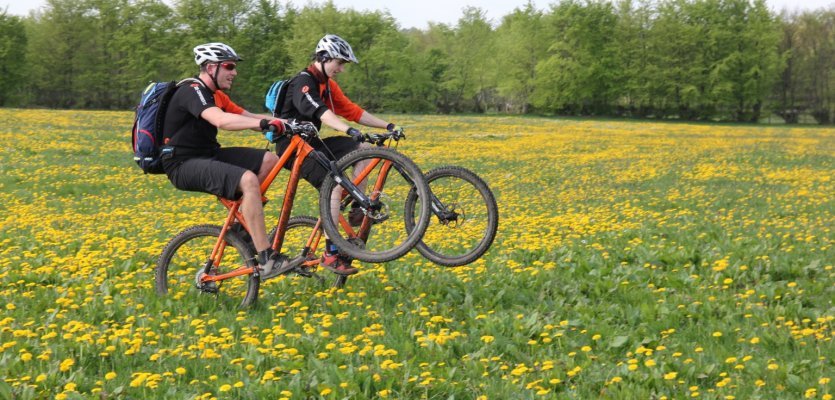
(334, 46)
(214, 52)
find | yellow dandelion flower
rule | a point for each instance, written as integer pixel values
(66, 365)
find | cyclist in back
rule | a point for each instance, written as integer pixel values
(314, 96)
(193, 159)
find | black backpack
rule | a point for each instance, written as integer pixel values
(147, 135)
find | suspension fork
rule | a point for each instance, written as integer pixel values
(343, 181)
(438, 208)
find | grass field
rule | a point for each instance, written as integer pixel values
(634, 260)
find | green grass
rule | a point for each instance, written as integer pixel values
(634, 260)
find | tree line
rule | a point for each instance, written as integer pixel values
(730, 60)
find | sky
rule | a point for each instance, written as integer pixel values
(417, 14)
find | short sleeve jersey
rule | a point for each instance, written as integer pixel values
(310, 94)
(184, 128)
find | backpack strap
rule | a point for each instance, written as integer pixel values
(188, 80)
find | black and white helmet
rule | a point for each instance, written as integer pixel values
(214, 52)
(333, 46)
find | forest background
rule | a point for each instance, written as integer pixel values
(705, 60)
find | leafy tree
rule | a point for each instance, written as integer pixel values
(261, 43)
(578, 73)
(362, 30)
(520, 43)
(13, 43)
(150, 49)
(471, 73)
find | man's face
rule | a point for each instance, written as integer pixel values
(226, 72)
(334, 66)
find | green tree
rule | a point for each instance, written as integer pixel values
(578, 73)
(363, 82)
(150, 49)
(59, 52)
(520, 43)
(13, 43)
(471, 72)
(261, 43)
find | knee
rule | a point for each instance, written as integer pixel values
(249, 183)
(270, 160)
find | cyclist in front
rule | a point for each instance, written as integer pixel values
(193, 159)
(313, 95)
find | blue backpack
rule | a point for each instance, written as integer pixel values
(147, 135)
(276, 94)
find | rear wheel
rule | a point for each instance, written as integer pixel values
(298, 232)
(468, 220)
(186, 256)
(383, 234)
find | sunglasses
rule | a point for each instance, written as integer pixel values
(228, 66)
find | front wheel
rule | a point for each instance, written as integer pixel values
(189, 253)
(381, 234)
(467, 217)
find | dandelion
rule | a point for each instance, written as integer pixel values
(670, 375)
(66, 365)
(110, 375)
(487, 339)
(225, 388)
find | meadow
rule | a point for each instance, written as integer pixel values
(634, 260)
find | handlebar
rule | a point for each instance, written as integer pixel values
(379, 139)
(307, 130)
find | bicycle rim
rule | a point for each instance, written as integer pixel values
(388, 237)
(463, 240)
(188, 253)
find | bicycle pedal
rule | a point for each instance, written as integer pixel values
(205, 287)
(208, 287)
(302, 271)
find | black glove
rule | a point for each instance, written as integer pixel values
(390, 127)
(355, 134)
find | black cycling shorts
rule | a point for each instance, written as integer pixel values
(219, 175)
(311, 170)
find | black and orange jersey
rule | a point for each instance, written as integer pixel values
(185, 129)
(310, 94)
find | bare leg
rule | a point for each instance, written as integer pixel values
(253, 210)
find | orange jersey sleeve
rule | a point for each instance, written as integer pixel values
(226, 104)
(340, 104)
